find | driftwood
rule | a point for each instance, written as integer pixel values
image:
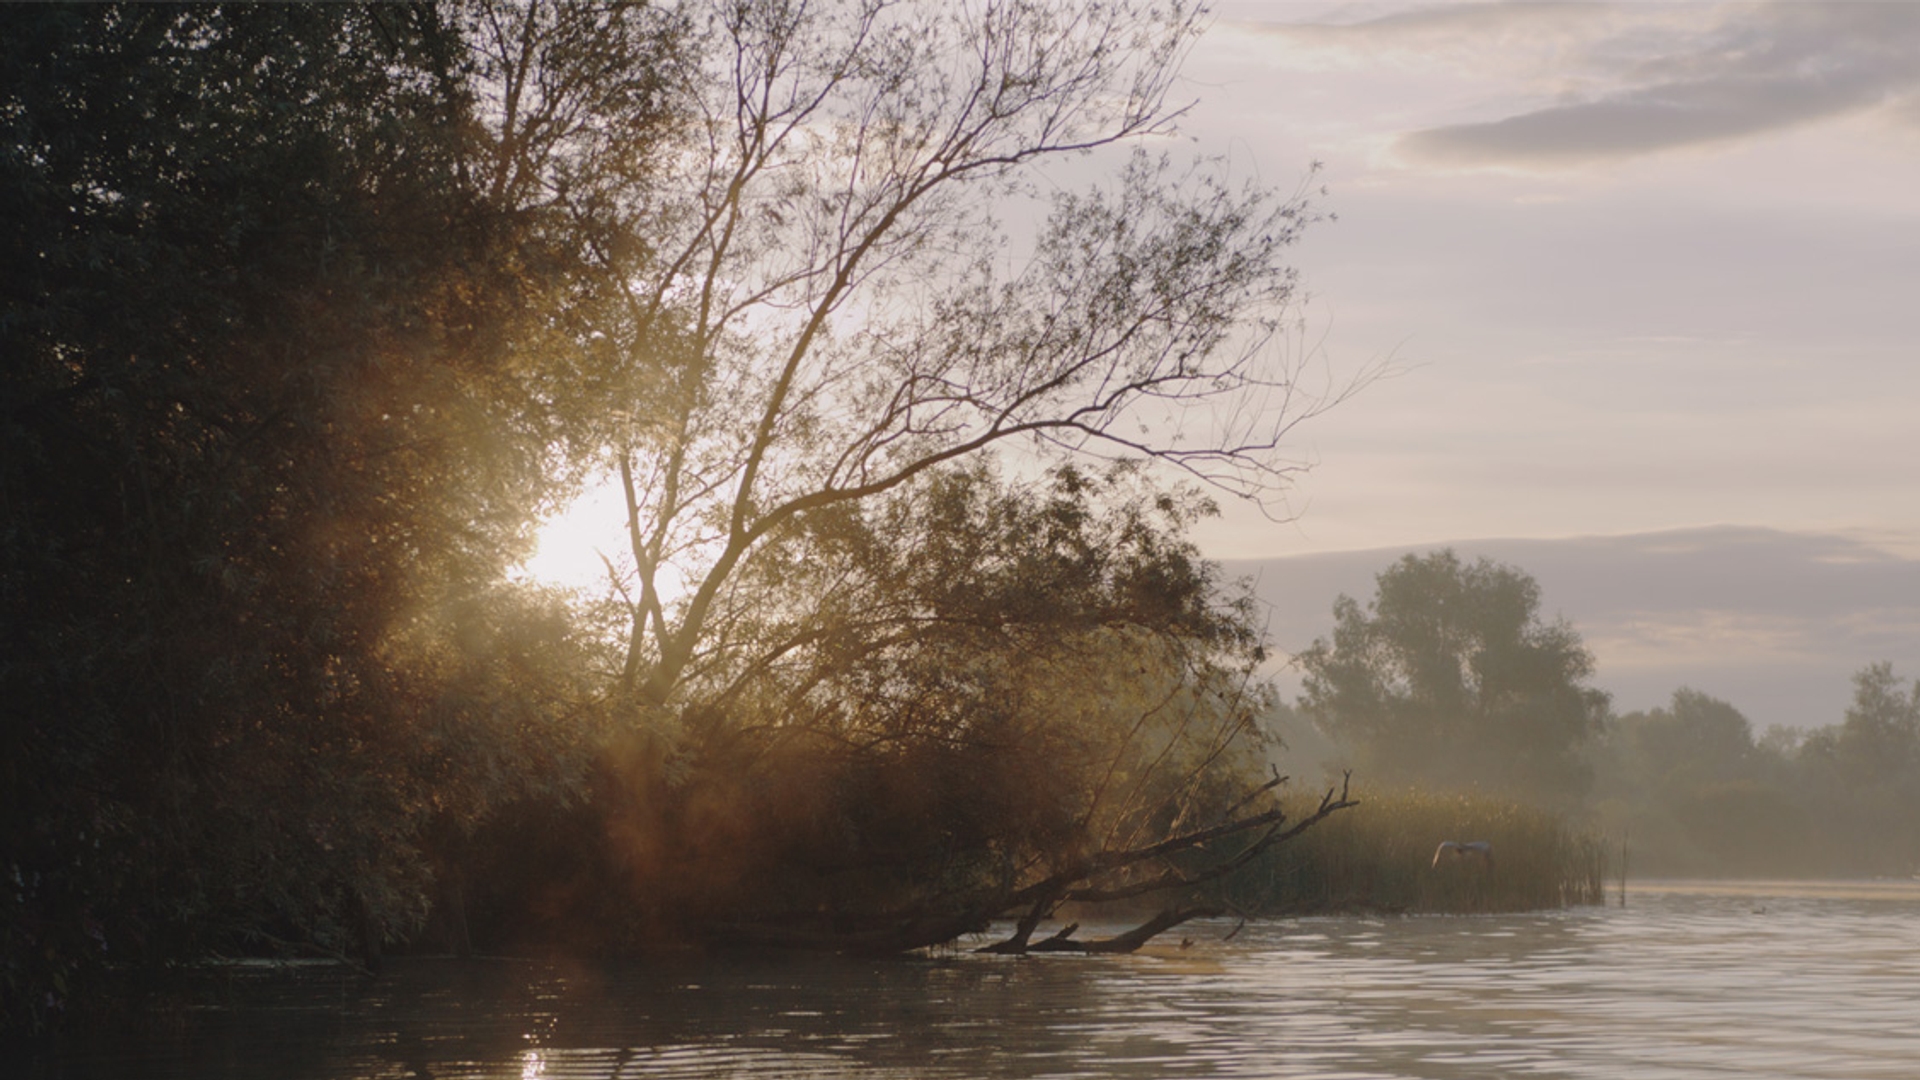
(1073, 884)
(1129, 941)
(1078, 882)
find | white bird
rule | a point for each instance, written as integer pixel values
(1472, 849)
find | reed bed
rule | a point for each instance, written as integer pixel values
(1379, 856)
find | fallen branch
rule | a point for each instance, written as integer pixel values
(910, 930)
(1329, 805)
(1129, 941)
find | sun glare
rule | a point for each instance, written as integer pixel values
(573, 546)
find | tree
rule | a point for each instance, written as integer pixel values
(268, 437)
(1864, 774)
(1879, 739)
(821, 303)
(1697, 795)
(1697, 738)
(822, 328)
(310, 308)
(1448, 678)
(1005, 699)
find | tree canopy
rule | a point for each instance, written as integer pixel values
(270, 436)
(1700, 794)
(819, 331)
(820, 299)
(1449, 678)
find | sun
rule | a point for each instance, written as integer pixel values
(572, 547)
(572, 550)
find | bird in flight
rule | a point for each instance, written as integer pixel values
(1456, 850)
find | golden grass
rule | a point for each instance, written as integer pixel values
(1379, 856)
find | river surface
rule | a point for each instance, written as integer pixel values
(1687, 981)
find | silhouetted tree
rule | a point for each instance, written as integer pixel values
(268, 436)
(822, 304)
(825, 328)
(311, 308)
(968, 699)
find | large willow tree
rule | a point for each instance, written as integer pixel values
(882, 243)
(865, 253)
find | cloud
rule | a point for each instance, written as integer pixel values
(1762, 70)
(1598, 82)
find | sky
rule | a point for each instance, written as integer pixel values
(1639, 266)
(1648, 276)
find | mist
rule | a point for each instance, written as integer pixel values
(1755, 725)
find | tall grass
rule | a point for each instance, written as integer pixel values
(1379, 856)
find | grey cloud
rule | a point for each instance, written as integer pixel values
(1665, 84)
(1764, 69)
(1643, 122)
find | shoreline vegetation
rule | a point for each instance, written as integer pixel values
(1380, 858)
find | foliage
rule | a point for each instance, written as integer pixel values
(821, 303)
(1878, 741)
(1447, 681)
(311, 309)
(1448, 678)
(821, 333)
(269, 438)
(978, 687)
(1862, 777)
(1685, 786)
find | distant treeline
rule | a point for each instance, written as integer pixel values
(1691, 790)
(1448, 681)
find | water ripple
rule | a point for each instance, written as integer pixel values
(1698, 983)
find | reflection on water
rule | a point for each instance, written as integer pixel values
(1757, 980)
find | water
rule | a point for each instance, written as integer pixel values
(1686, 982)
